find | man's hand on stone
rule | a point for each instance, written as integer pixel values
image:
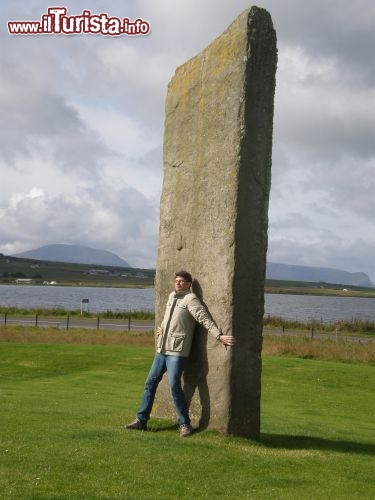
(227, 340)
(158, 331)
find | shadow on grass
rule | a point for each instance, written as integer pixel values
(315, 443)
(162, 427)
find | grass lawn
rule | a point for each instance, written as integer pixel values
(63, 407)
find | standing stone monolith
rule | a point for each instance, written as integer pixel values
(214, 216)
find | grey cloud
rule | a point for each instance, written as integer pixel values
(294, 220)
(335, 253)
(336, 29)
(122, 220)
(37, 119)
(153, 156)
(318, 128)
(348, 186)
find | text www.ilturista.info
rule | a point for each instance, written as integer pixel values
(56, 22)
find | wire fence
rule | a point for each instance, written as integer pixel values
(133, 324)
(68, 322)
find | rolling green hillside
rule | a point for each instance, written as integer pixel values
(62, 273)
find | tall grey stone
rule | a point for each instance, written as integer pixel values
(213, 215)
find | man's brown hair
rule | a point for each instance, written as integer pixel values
(184, 274)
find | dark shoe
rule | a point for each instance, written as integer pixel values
(186, 430)
(138, 425)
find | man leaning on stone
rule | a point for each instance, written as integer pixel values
(174, 341)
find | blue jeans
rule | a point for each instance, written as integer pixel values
(174, 366)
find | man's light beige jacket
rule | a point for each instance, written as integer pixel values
(182, 312)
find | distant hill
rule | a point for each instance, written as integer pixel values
(75, 254)
(288, 272)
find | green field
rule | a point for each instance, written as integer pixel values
(63, 407)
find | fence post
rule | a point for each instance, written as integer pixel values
(5, 318)
(36, 320)
(312, 332)
(97, 322)
(337, 330)
(129, 324)
(67, 321)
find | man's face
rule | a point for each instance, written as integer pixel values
(180, 284)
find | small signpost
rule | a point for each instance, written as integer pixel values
(84, 305)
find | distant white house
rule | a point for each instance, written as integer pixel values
(23, 281)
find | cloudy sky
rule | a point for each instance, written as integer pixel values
(82, 125)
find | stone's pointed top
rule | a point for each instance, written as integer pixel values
(252, 15)
(260, 15)
(253, 18)
(255, 10)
